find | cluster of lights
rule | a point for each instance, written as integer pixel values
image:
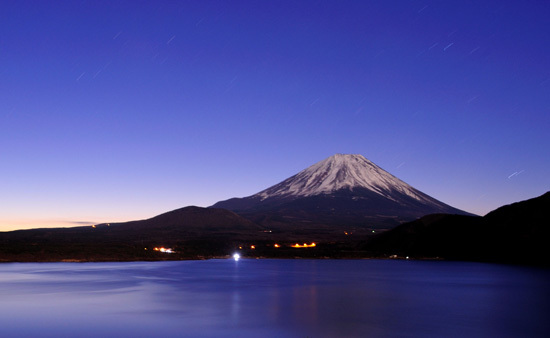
(276, 245)
(305, 245)
(165, 250)
(236, 256)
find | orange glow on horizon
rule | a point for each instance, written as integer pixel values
(11, 224)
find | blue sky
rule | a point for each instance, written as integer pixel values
(121, 110)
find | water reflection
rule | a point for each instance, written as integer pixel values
(274, 298)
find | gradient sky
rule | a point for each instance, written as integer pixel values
(121, 110)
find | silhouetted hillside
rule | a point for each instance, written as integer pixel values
(191, 232)
(515, 233)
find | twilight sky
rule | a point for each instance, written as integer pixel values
(121, 110)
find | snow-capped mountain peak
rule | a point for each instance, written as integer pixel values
(342, 190)
(341, 171)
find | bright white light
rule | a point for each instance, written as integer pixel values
(236, 257)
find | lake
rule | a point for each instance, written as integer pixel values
(274, 298)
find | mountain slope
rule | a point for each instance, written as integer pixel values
(515, 233)
(193, 231)
(340, 190)
(191, 220)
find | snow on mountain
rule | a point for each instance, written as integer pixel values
(338, 172)
(342, 190)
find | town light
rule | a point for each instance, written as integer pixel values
(165, 250)
(305, 245)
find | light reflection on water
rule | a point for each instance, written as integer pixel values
(273, 298)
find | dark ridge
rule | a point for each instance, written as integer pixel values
(192, 232)
(517, 233)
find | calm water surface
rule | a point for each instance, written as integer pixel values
(274, 298)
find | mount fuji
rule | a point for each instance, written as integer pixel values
(342, 190)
